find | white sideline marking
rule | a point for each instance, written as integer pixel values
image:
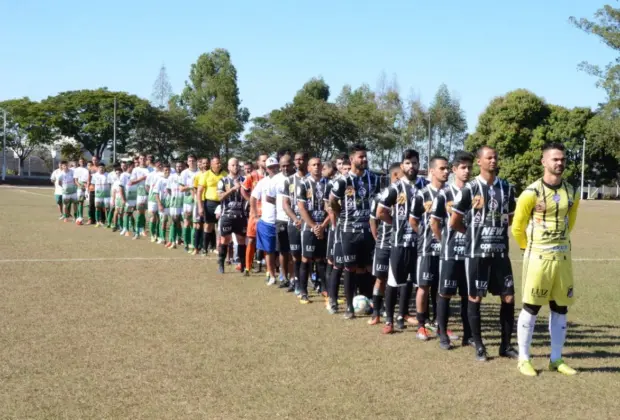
(185, 258)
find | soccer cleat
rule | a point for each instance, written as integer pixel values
(160, 241)
(67, 220)
(423, 334)
(445, 345)
(143, 232)
(271, 281)
(400, 323)
(332, 309)
(61, 217)
(562, 367)
(451, 335)
(98, 225)
(349, 314)
(172, 245)
(114, 229)
(509, 353)
(136, 236)
(388, 328)
(153, 239)
(123, 232)
(468, 342)
(481, 354)
(525, 368)
(374, 320)
(431, 327)
(284, 283)
(304, 300)
(186, 249)
(246, 273)
(220, 268)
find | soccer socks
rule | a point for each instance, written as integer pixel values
(334, 284)
(321, 268)
(162, 229)
(304, 267)
(98, 215)
(126, 222)
(507, 321)
(557, 330)
(212, 239)
(525, 332)
(140, 222)
(464, 319)
(207, 240)
(349, 288)
(443, 313)
(110, 214)
(404, 299)
(377, 301)
(198, 238)
(297, 269)
(433, 295)
(242, 253)
(172, 236)
(152, 227)
(473, 314)
(222, 255)
(249, 254)
(390, 303)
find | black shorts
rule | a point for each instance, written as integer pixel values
(357, 248)
(337, 250)
(403, 261)
(311, 246)
(231, 224)
(294, 240)
(452, 276)
(493, 274)
(282, 245)
(381, 263)
(428, 271)
(209, 211)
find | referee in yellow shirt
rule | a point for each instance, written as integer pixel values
(544, 217)
(210, 199)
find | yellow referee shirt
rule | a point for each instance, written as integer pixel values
(208, 180)
(544, 218)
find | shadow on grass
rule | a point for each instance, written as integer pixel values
(604, 369)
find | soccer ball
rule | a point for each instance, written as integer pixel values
(361, 304)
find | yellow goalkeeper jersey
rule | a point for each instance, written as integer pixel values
(544, 218)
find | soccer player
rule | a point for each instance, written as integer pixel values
(544, 219)
(207, 192)
(138, 180)
(248, 168)
(175, 208)
(186, 187)
(152, 206)
(81, 177)
(117, 202)
(129, 193)
(101, 191)
(162, 197)
(283, 247)
(382, 233)
(289, 203)
(58, 189)
(452, 276)
(66, 180)
(93, 169)
(429, 246)
(489, 203)
(248, 186)
(311, 207)
(395, 209)
(203, 165)
(232, 219)
(355, 192)
(265, 191)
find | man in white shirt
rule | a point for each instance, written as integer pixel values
(282, 219)
(57, 190)
(265, 191)
(81, 176)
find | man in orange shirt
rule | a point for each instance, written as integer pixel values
(246, 190)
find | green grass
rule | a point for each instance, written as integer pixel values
(167, 337)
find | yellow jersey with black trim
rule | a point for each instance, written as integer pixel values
(544, 218)
(209, 180)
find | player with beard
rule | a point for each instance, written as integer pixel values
(429, 247)
(311, 207)
(283, 247)
(289, 204)
(329, 169)
(208, 194)
(489, 202)
(452, 276)
(394, 209)
(248, 186)
(382, 232)
(545, 216)
(232, 219)
(351, 196)
(203, 165)
(186, 186)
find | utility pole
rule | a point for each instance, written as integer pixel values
(4, 146)
(583, 167)
(114, 135)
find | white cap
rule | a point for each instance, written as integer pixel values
(271, 162)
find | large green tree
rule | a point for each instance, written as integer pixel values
(211, 96)
(88, 117)
(28, 127)
(448, 123)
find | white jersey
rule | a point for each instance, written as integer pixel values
(139, 173)
(161, 188)
(187, 180)
(266, 187)
(81, 175)
(279, 181)
(101, 183)
(54, 178)
(112, 178)
(67, 179)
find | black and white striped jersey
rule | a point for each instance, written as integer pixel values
(233, 204)
(489, 208)
(399, 197)
(355, 194)
(384, 231)
(428, 245)
(291, 185)
(452, 242)
(312, 193)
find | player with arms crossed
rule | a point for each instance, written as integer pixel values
(489, 203)
(452, 276)
(545, 216)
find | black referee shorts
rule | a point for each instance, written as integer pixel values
(209, 211)
(357, 248)
(493, 274)
(282, 244)
(452, 277)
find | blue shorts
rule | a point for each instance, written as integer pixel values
(266, 237)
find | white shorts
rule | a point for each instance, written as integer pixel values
(153, 207)
(188, 208)
(69, 197)
(175, 211)
(130, 204)
(81, 194)
(141, 200)
(195, 213)
(102, 202)
(164, 213)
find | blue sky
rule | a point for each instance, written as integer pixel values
(479, 48)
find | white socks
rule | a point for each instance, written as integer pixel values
(557, 330)
(525, 332)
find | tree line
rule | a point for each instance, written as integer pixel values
(207, 118)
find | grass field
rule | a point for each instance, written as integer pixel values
(98, 326)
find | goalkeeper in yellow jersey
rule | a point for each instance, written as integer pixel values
(545, 216)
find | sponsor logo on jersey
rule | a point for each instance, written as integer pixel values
(449, 283)
(477, 202)
(483, 285)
